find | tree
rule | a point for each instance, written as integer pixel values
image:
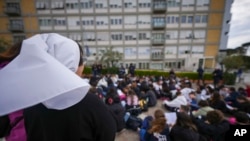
(233, 62)
(110, 57)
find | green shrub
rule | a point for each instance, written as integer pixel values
(87, 70)
(229, 78)
(114, 70)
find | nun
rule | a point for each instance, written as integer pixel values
(41, 78)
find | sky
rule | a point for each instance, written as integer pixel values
(239, 32)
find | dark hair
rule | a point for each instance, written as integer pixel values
(185, 121)
(159, 123)
(10, 53)
(242, 117)
(215, 116)
(203, 103)
(81, 54)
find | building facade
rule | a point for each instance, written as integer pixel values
(152, 34)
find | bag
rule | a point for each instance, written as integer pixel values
(135, 111)
(133, 123)
(145, 126)
(143, 105)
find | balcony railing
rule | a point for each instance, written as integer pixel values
(158, 41)
(16, 28)
(158, 25)
(159, 7)
(13, 11)
(157, 57)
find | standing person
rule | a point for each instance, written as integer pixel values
(94, 70)
(159, 130)
(132, 70)
(99, 69)
(217, 77)
(239, 74)
(122, 72)
(200, 72)
(56, 106)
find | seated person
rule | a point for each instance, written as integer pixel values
(204, 108)
(176, 102)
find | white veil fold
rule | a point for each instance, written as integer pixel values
(42, 72)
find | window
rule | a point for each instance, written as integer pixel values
(98, 5)
(103, 36)
(184, 50)
(142, 36)
(188, 3)
(115, 3)
(144, 19)
(202, 3)
(171, 50)
(129, 20)
(72, 5)
(158, 21)
(190, 19)
(201, 18)
(89, 36)
(172, 19)
(186, 34)
(198, 50)
(199, 34)
(130, 36)
(58, 4)
(84, 4)
(116, 36)
(101, 20)
(75, 36)
(172, 34)
(144, 3)
(159, 4)
(60, 22)
(45, 22)
(187, 19)
(42, 4)
(116, 21)
(173, 3)
(204, 19)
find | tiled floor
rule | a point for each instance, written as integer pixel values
(129, 135)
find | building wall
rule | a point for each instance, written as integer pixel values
(129, 29)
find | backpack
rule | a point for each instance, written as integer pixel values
(145, 126)
(133, 123)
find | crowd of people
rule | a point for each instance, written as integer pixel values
(48, 101)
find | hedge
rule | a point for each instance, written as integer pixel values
(229, 78)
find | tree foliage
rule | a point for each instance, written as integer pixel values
(110, 57)
(233, 62)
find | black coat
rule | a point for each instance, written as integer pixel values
(178, 133)
(214, 132)
(88, 120)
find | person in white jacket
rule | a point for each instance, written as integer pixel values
(175, 103)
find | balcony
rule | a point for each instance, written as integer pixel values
(158, 39)
(158, 25)
(157, 56)
(12, 11)
(16, 28)
(159, 7)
